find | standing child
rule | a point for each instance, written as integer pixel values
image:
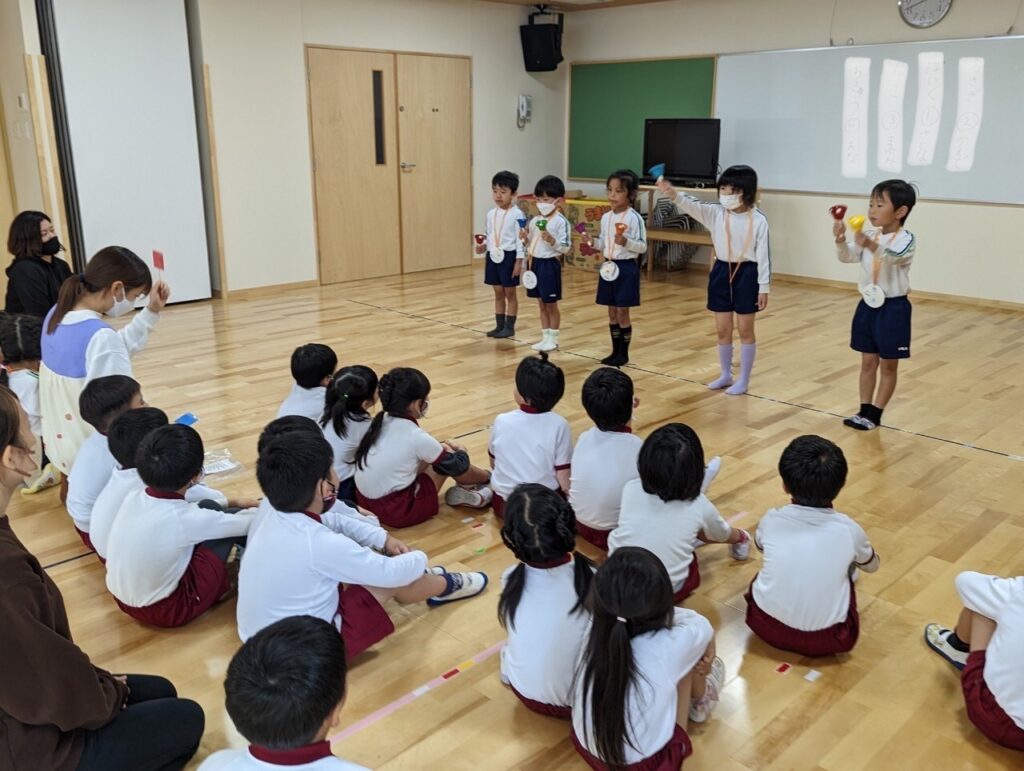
(740, 277)
(881, 323)
(803, 599)
(666, 511)
(986, 645)
(623, 239)
(542, 598)
(531, 444)
(312, 367)
(346, 419)
(646, 668)
(605, 456)
(504, 252)
(548, 241)
(400, 468)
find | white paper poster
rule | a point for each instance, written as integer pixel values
(969, 103)
(856, 95)
(928, 117)
(891, 91)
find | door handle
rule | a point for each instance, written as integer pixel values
(406, 166)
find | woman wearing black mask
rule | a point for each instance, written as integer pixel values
(35, 275)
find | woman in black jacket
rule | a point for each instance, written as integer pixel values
(35, 275)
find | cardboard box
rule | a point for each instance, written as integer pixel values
(586, 210)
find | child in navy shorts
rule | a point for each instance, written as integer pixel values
(623, 239)
(881, 323)
(547, 242)
(504, 252)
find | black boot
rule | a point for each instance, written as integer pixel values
(499, 324)
(622, 356)
(616, 344)
(509, 330)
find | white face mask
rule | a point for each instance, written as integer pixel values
(545, 208)
(731, 202)
(120, 307)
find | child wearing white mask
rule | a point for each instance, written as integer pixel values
(741, 271)
(547, 240)
(79, 346)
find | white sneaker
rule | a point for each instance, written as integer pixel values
(701, 709)
(937, 638)
(475, 497)
(710, 472)
(437, 570)
(466, 585)
(539, 345)
(740, 550)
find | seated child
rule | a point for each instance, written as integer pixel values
(803, 599)
(303, 558)
(986, 645)
(531, 443)
(542, 598)
(167, 558)
(400, 468)
(642, 658)
(605, 456)
(346, 419)
(286, 705)
(313, 366)
(666, 511)
(102, 400)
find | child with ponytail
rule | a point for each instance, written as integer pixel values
(78, 346)
(643, 661)
(400, 468)
(346, 419)
(542, 599)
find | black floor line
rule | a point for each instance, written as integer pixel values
(69, 559)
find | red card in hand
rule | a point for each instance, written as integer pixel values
(158, 260)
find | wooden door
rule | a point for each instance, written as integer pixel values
(7, 208)
(434, 130)
(355, 163)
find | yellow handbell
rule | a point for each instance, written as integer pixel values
(857, 223)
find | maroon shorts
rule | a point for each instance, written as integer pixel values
(205, 581)
(982, 708)
(545, 709)
(668, 758)
(363, 621)
(838, 638)
(404, 508)
(690, 584)
(598, 538)
(85, 539)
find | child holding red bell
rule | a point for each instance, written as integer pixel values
(881, 323)
(500, 242)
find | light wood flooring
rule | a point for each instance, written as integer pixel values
(940, 489)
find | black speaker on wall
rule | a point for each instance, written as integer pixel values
(542, 44)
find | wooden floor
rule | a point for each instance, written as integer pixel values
(938, 492)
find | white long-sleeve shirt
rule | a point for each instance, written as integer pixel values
(293, 565)
(304, 402)
(502, 229)
(636, 235)
(716, 218)
(895, 253)
(110, 350)
(558, 227)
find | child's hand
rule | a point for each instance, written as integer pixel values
(481, 248)
(393, 547)
(865, 243)
(620, 240)
(839, 231)
(524, 235)
(517, 269)
(158, 296)
(548, 238)
(666, 188)
(762, 301)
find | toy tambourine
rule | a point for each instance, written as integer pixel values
(497, 256)
(874, 296)
(609, 271)
(529, 279)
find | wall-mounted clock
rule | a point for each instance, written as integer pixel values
(923, 13)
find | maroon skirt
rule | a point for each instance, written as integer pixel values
(598, 538)
(205, 581)
(983, 709)
(668, 758)
(404, 508)
(690, 584)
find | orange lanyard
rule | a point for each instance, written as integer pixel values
(609, 249)
(746, 244)
(500, 228)
(876, 266)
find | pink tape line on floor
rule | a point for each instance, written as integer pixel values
(400, 702)
(739, 515)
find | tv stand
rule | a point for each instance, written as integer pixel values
(673, 235)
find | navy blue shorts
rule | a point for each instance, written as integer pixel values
(885, 330)
(623, 292)
(500, 273)
(549, 280)
(741, 296)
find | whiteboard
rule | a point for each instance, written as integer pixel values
(128, 90)
(947, 116)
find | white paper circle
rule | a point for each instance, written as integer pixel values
(497, 257)
(609, 271)
(873, 295)
(529, 279)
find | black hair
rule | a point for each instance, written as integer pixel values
(287, 425)
(104, 398)
(539, 527)
(506, 179)
(313, 362)
(277, 698)
(813, 470)
(20, 340)
(24, 238)
(398, 389)
(550, 186)
(633, 585)
(608, 398)
(900, 192)
(350, 387)
(540, 382)
(671, 463)
(129, 429)
(290, 467)
(744, 179)
(170, 457)
(629, 179)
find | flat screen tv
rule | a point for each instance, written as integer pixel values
(687, 146)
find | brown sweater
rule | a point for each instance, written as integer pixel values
(49, 692)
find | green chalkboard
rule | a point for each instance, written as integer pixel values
(610, 101)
